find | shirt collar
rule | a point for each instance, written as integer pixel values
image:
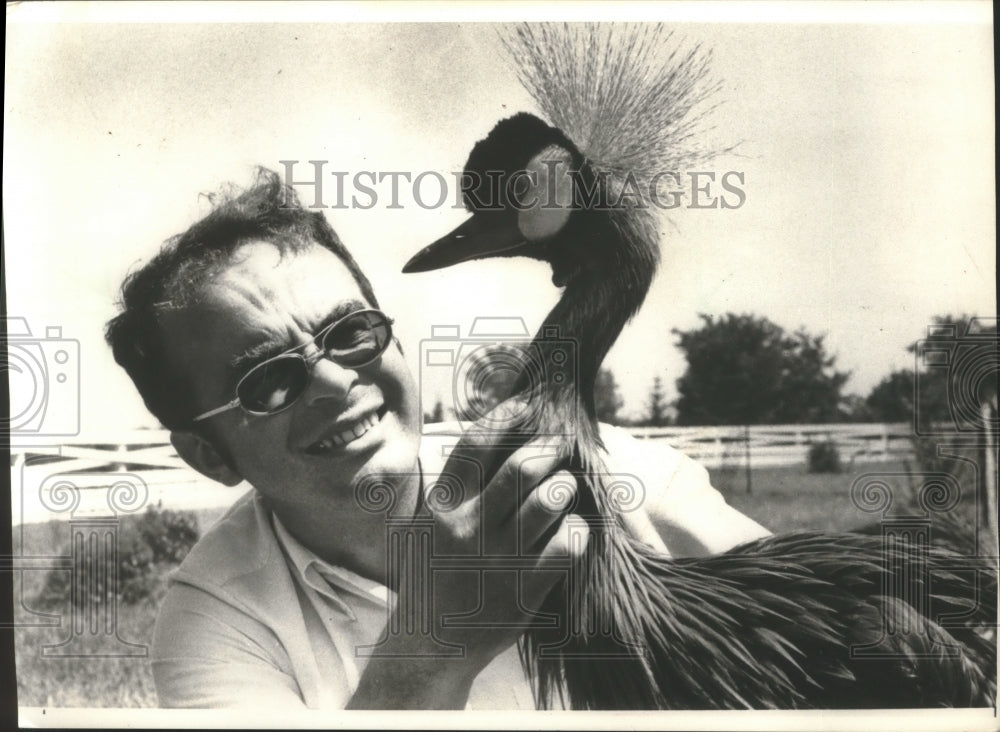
(327, 579)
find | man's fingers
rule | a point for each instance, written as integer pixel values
(570, 539)
(567, 545)
(545, 506)
(485, 445)
(517, 478)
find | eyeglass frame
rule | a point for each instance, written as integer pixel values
(308, 360)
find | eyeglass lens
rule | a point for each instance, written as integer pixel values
(352, 342)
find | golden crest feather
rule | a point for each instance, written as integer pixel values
(631, 97)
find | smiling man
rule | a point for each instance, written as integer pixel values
(255, 338)
(249, 337)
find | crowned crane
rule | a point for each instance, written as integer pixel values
(802, 620)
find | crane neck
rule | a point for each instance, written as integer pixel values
(595, 307)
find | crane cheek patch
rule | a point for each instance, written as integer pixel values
(549, 200)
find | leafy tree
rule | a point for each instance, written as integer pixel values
(606, 397)
(437, 415)
(892, 398)
(658, 416)
(955, 367)
(744, 369)
(855, 408)
(956, 371)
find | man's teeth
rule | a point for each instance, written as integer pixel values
(352, 433)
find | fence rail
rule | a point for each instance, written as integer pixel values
(147, 457)
(718, 447)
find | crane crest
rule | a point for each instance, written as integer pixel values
(628, 95)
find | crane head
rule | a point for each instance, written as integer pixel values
(519, 185)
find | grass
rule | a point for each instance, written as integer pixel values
(789, 497)
(86, 681)
(782, 498)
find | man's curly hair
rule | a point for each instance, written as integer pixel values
(267, 210)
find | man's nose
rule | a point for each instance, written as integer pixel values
(330, 382)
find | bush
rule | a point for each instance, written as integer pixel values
(148, 547)
(824, 457)
(169, 534)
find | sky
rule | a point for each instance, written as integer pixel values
(866, 142)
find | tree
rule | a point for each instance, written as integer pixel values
(855, 408)
(437, 415)
(744, 369)
(658, 404)
(957, 367)
(891, 400)
(607, 400)
(955, 372)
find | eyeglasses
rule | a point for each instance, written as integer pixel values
(273, 386)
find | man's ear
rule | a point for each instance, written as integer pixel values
(202, 455)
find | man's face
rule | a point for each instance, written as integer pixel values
(259, 305)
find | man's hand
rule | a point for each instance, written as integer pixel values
(500, 543)
(512, 532)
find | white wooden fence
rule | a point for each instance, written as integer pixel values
(120, 473)
(110, 475)
(717, 447)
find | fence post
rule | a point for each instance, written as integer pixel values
(121, 464)
(988, 412)
(746, 436)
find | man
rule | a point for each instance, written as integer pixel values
(255, 338)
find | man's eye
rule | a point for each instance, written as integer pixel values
(348, 337)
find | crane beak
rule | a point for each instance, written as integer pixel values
(479, 237)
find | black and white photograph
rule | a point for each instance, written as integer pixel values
(397, 365)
